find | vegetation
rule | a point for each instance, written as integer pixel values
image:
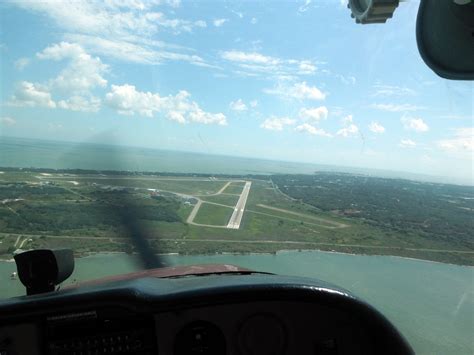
(225, 199)
(435, 212)
(213, 215)
(96, 211)
(234, 188)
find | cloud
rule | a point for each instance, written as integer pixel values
(238, 14)
(253, 103)
(305, 6)
(110, 18)
(350, 129)
(249, 57)
(348, 80)
(396, 107)
(219, 22)
(200, 23)
(7, 121)
(21, 63)
(306, 127)
(77, 79)
(414, 124)
(277, 123)
(314, 114)
(306, 67)
(82, 73)
(133, 24)
(126, 100)
(299, 91)
(31, 95)
(376, 127)
(461, 142)
(255, 63)
(238, 105)
(253, 21)
(380, 90)
(80, 103)
(136, 53)
(407, 143)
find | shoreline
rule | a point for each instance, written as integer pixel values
(281, 251)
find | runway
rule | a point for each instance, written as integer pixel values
(236, 218)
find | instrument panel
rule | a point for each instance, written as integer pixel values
(247, 328)
(202, 316)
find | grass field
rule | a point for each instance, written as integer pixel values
(234, 188)
(213, 215)
(51, 214)
(229, 200)
(184, 186)
(299, 216)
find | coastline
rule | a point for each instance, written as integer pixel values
(281, 251)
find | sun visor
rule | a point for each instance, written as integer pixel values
(445, 36)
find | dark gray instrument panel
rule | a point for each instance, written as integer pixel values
(206, 315)
(261, 328)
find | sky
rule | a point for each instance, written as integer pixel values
(285, 80)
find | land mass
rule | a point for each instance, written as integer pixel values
(90, 211)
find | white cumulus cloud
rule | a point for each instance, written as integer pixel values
(350, 129)
(219, 22)
(129, 101)
(299, 91)
(462, 141)
(80, 103)
(249, 57)
(306, 127)
(414, 124)
(238, 105)
(306, 67)
(277, 123)
(31, 95)
(82, 73)
(21, 63)
(407, 143)
(314, 114)
(376, 127)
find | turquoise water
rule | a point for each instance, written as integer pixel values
(431, 303)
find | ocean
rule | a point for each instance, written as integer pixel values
(432, 304)
(32, 153)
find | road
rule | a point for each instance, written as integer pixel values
(236, 218)
(194, 212)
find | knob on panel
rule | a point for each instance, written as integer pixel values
(200, 338)
(262, 334)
